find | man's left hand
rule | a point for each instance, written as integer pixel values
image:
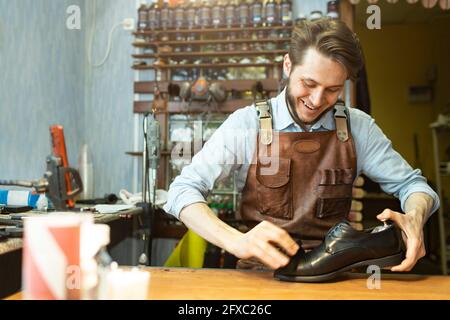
(412, 227)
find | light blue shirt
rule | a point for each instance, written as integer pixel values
(231, 148)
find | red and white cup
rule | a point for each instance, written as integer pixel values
(51, 256)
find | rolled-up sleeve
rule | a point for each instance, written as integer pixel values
(381, 163)
(221, 155)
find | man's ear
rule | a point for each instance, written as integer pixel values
(287, 65)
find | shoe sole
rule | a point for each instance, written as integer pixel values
(388, 261)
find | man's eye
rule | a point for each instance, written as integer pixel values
(308, 85)
(333, 90)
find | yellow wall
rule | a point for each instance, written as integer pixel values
(398, 56)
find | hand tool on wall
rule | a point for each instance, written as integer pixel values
(59, 150)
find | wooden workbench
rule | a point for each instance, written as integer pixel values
(223, 284)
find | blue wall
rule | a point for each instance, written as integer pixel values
(108, 113)
(41, 83)
(45, 79)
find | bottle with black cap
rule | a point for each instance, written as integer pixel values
(230, 9)
(179, 10)
(332, 10)
(154, 16)
(285, 16)
(142, 17)
(190, 14)
(217, 14)
(205, 15)
(231, 21)
(271, 13)
(256, 12)
(165, 16)
(243, 14)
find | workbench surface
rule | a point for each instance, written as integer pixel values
(16, 243)
(227, 284)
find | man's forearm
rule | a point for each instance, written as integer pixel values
(202, 220)
(419, 204)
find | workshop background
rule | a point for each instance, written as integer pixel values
(47, 76)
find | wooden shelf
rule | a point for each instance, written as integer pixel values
(212, 30)
(209, 54)
(146, 44)
(228, 106)
(207, 66)
(148, 87)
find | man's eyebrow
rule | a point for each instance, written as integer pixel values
(312, 80)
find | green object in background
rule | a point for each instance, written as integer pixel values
(189, 253)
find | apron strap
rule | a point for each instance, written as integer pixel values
(263, 109)
(340, 116)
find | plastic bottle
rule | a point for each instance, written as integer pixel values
(230, 9)
(217, 14)
(142, 17)
(333, 10)
(165, 16)
(243, 14)
(271, 13)
(286, 12)
(205, 15)
(154, 16)
(190, 15)
(24, 198)
(179, 18)
(256, 12)
(86, 172)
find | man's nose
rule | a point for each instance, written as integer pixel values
(317, 97)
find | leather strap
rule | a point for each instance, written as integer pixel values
(293, 113)
(340, 117)
(263, 109)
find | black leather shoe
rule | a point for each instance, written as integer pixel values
(345, 248)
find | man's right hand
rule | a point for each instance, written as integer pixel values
(261, 243)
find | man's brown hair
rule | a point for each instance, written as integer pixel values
(330, 37)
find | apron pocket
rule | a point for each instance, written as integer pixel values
(275, 191)
(327, 207)
(334, 193)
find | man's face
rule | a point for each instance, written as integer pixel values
(314, 86)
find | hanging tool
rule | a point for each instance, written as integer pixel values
(59, 150)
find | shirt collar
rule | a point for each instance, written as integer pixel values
(282, 119)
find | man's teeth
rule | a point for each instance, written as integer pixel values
(306, 105)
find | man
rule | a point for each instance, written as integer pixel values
(296, 158)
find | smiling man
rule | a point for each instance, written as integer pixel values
(295, 158)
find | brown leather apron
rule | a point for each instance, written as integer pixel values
(307, 187)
